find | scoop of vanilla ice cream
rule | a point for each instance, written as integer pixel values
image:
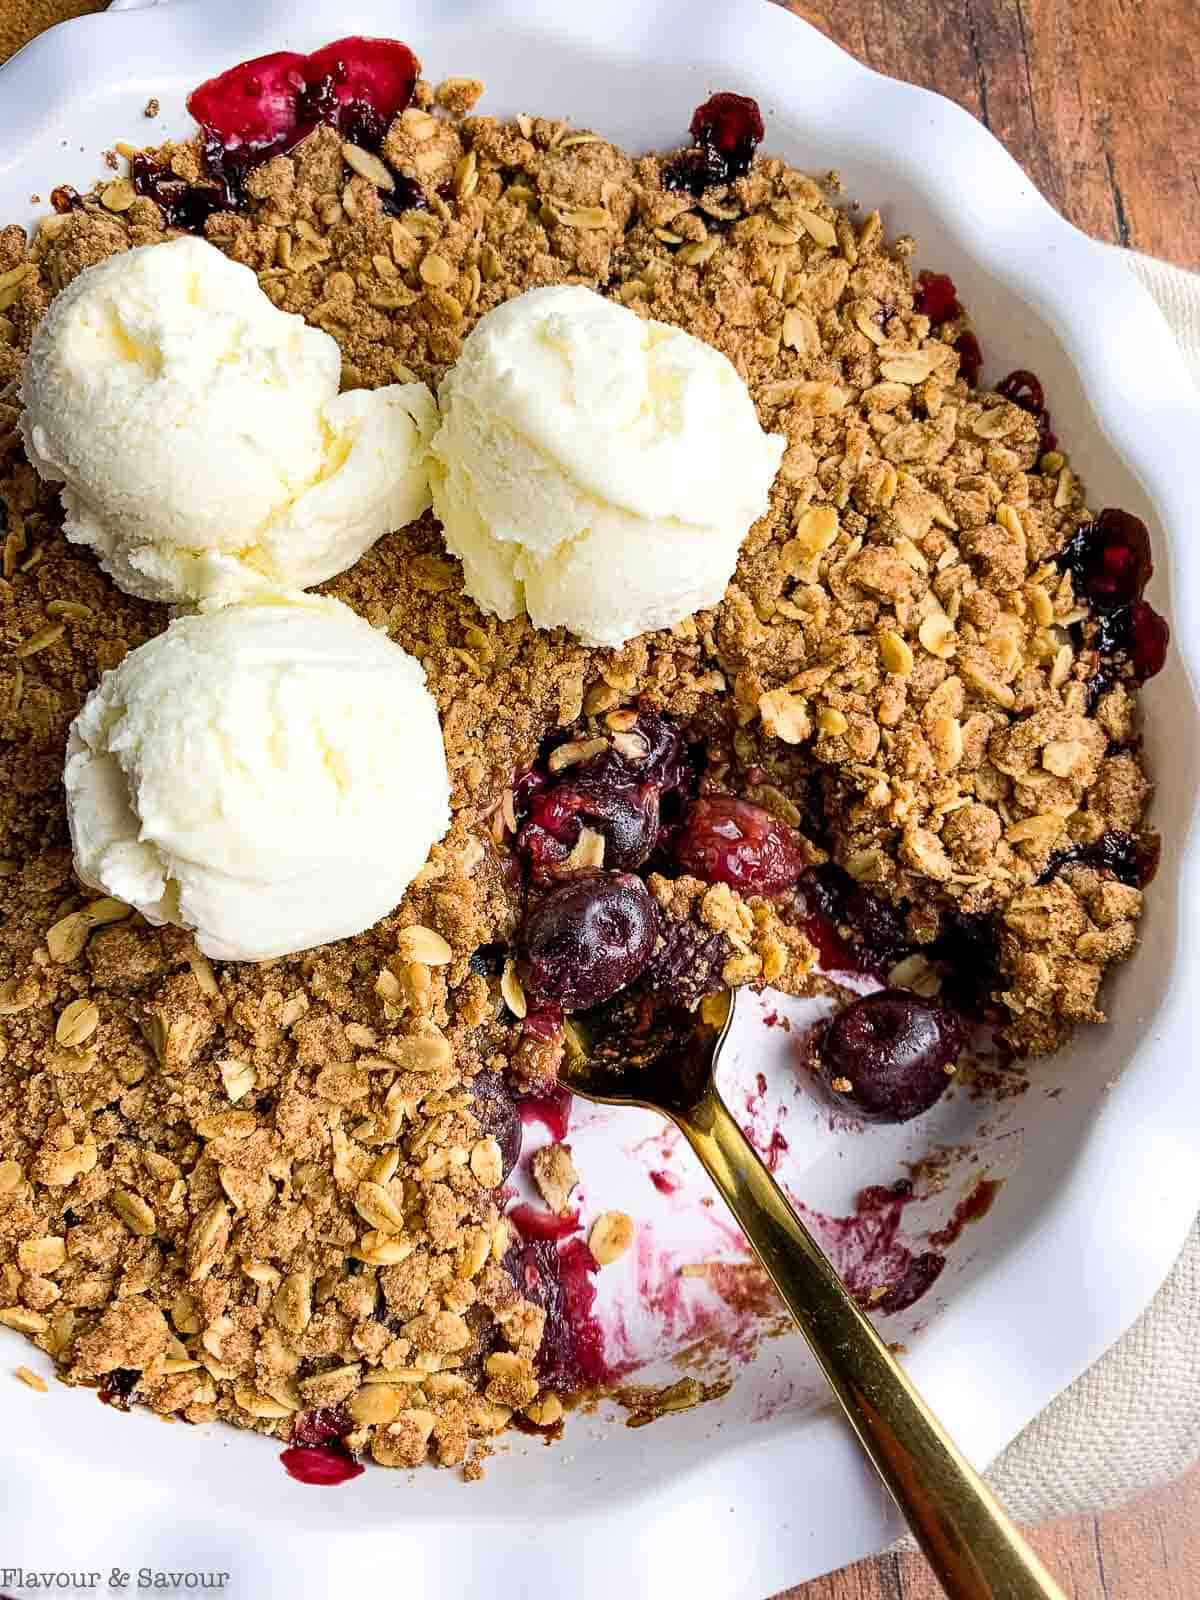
(270, 774)
(198, 432)
(595, 469)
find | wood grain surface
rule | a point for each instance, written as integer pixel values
(1100, 102)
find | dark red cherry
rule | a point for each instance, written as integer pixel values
(1137, 632)
(726, 840)
(535, 1222)
(888, 1056)
(731, 123)
(270, 103)
(1025, 390)
(935, 297)
(588, 938)
(320, 1465)
(966, 954)
(323, 1425)
(878, 933)
(253, 103)
(1109, 559)
(726, 130)
(624, 814)
(360, 84)
(1130, 861)
(1150, 637)
(117, 1387)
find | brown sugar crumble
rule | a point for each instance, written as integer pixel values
(260, 1192)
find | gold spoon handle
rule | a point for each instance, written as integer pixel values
(968, 1539)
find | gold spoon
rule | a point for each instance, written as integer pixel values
(967, 1538)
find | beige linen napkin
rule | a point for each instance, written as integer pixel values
(1133, 1420)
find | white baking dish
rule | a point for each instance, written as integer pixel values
(739, 1498)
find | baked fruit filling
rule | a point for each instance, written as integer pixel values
(903, 746)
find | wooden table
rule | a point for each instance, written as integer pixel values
(1100, 101)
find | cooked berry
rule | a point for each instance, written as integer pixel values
(587, 938)
(726, 130)
(888, 1057)
(1109, 559)
(543, 1021)
(183, 205)
(264, 108)
(406, 195)
(1137, 632)
(618, 794)
(1024, 390)
(665, 761)
(1129, 861)
(487, 960)
(877, 930)
(535, 1222)
(936, 298)
(498, 1116)
(1149, 640)
(320, 1465)
(356, 85)
(117, 1386)
(323, 1425)
(725, 840)
(966, 954)
(625, 815)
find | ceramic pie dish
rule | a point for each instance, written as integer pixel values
(1099, 1157)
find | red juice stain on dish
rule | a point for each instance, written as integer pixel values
(882, 1272)
(532, 1222)
(971, 1208)
(665, 1182)
(777, 1147)
(265, 107)
(552, 1110)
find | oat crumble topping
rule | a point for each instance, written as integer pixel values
(245, 1192)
